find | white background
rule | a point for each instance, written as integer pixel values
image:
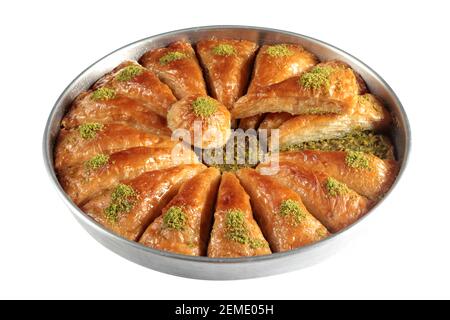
(402, 251)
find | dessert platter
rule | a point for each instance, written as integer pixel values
(122, 145)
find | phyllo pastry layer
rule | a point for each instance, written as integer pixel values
(280, 212)
(185, 223)
(227, 65)
(129, 207)
(235, 232)
(333, 203)
(132, 80)
(177, 66)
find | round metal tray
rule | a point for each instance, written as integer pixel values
(213, 268)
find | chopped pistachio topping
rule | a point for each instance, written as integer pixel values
(370, 100)
(89, 130)
(321, 232)
(128, 73)
(364, 98)
(96, 162)
(292, 209)
(224, 50)
(279, 50)
(257, 243)
(175, 219)
(204, 107)
(191, 245)
(123, 198)
(103, 94)
(356, 159)
(237, 230)
(245, 154)
(335, 188)
(172, 56)
(318, 77)
(363, 141)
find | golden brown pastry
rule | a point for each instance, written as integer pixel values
(280, 212)
(275, 120)
(132, 205)
(368, 114)
(201, 114)
(227, 65)
(117, 109)
(326, 88)
(177, 66)
(235, 233)
(367, 174)
(362, 87)
(185, 222)
(86, 180)
(80, 144)
(132, 80)
(334, 204)
(274, 64)
(250, 122)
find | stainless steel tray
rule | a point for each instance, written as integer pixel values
(203, 267)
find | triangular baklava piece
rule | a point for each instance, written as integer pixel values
(177, 66)
(329, 200)
(132, 205)
(86, 180)
(117, 108)
(227, 64)
(235, 232)
(185, 223)
(132, 80)
(281, 215)
(278, 62)
(326, 88)
(274, 64)
(368, 114)
(365, 173)
(80, 144)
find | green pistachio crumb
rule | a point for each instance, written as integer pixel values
(224, 50)
(318, 77)
(371, 101)
(356, 159)
(123, 199)
(241, 148)
(175, 219)
(103, 94)
(258, 243)
(96, 162)
(364, 98)
(237, 230)
(172, 56)
(128, 73)
(89, 130)
(335, 188)
(279, 50)
(321, 232)
(292, 209)
(204, 107)
(363, 141)
(191, 245)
